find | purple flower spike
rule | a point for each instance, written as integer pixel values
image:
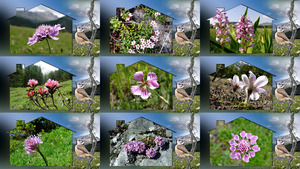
(31, 144)
(246, 146)
(159, 141)
(151, 152)
(244, 33)
(221, 25)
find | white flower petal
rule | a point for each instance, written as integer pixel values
(235, 79)
(254, 95)
(245, 79)
(261, 81)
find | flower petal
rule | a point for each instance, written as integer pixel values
(236, 79)
(136, 90)
(243, 134)
(252, 77)
(237, 155)
(246, 158)
(230, 80)
(255, 148)
(236, 137)
(249, 135)
(254, 95)
(145, 94)
(151, 76)
(153, 84)
(138, 76)
(232, 142)
(232, 148)
(261, 90)
(261, 81)
(233, 155)
(245, 79)
(251, 153)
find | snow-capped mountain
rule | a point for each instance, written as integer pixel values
(286, 83)
(287, 26)
(187, 26)
(87, 83)
(287, 139)
(187, 138)
(187, 82)
(87, 26)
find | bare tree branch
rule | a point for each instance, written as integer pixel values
(193, 26)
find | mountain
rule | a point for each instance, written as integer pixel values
(87, 26)
(187, 139)
(287, 26)
(87, 139)
(187, 26)
(38, 17)
(187, 82)
(240, 64)
(286, 83)
(87, 83)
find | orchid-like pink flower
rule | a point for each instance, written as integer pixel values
(141, 89)
(237, 85)
(244, 33)
(31, 144)
(253, 85)
(222, 33)
(32, 82)
(246, 147)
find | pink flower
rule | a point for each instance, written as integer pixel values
(30, 94)
(243, 146)
(159, 141)
(253, 85)
(157, 13)
(142, 40)
(133, 42)
(151, 152)
(131, 51)
(32, 82)
(42, 92)
(221, 25)
(141, 89)
(31, 144)
(137, 46)
(52, 85)
(153, 24)
(235, 81)
(157, 32)
(45, 31)
(244, 31)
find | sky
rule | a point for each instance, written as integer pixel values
(174, 8)
(75, 65)
(74, 8)
(73, 121)
(175, 65)
(274, 121)
(174, 121)
(275, 65)
(280, 7)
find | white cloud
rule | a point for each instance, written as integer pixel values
(274, 119)
(45, 67)
(74, 119)
(74, 6)
(174, 6)
(74, 63)
(274, 63)
(274, 6)
(174, 63)
(174, 119)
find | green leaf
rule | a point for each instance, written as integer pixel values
(245, 14)
(256, 24)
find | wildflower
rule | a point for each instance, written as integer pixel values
(221, 26)
(141, 147)
(133, 42)
(157, 32)
(142, 40)
(41, 91)
(31, 144)
(52, 85)
(157, 13)
(131, 146)
(159, 141)
(253, 85)
(153, 24)
(137, 46)
(235, 81)
(151, 128)
(45, 31)
(243, 147)
(32, 83)
(131, 51)
(30, 94)
(141, 89)
(129, 16)
(151, 152)
(245, 31)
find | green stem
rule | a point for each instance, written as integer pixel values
(48, 45)
(53, 101)
(153, 91)
(38, 150)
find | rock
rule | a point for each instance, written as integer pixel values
(115, 139)
(122, 159)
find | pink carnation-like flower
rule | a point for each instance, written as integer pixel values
(32, 82)
(31, 144)
(45, 31)
(141, 89)
(246, 146)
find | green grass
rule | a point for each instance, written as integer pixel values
(19, 39)
(282, 50)
(79, 107)
(79, 163)
(20, 101)
(278, 163)
(215, 49)
(81, 51)
(179, 107)
(219, 144)
(179, 50)
(282, 106)
(63, 46)
(56, 147)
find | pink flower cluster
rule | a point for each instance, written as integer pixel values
(42, 92)
(32, 83)
(151, 152)
(31, 144)
(159, 141)
(244, 33)
(144, 44)
(153, 24)
(244, 146)
(222, 34)
(45, 31)
(52, 85)
(30, 94)
(134, 146)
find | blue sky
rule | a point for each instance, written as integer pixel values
(74, 121)
(173, 8)
(274, 65)
(74, 65)
(274, 121)
(73, 8)
(174, 65)
(174, 121)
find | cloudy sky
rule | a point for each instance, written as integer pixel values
(174, 121)
(76, 9)
(75, 65)
(73, 121)
(280, 8)
(175, 65)
(274, 121)
(174, 8)
(275, 65)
